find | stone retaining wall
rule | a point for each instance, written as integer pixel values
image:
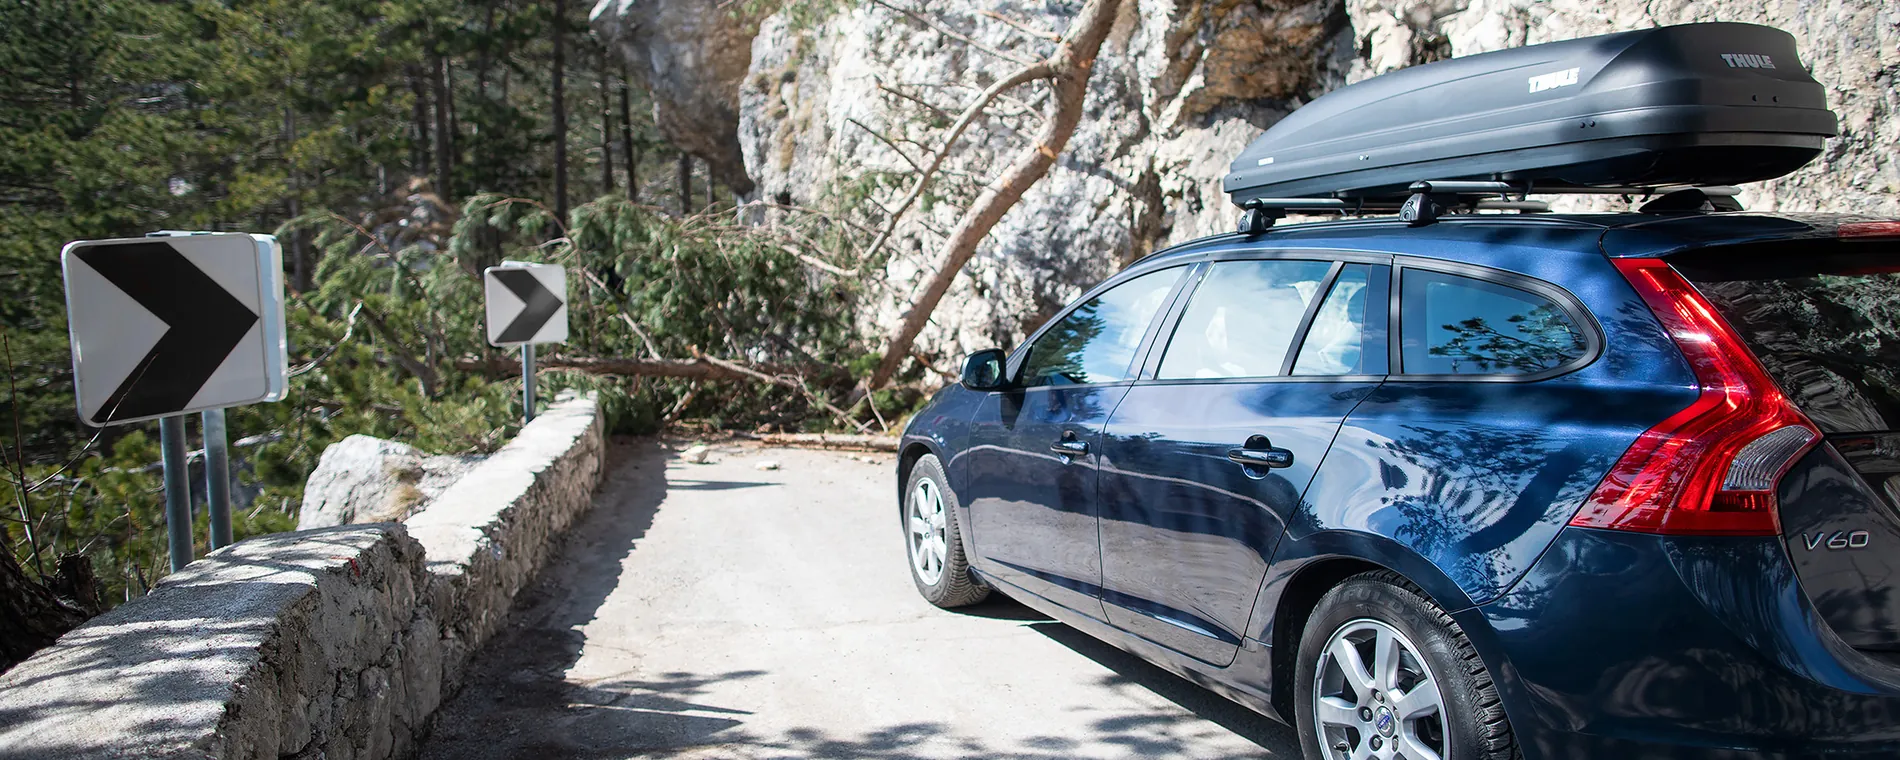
(337, 643)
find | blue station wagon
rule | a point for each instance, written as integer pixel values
(1464, 485)
(1586, 486)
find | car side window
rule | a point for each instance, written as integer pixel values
(1453, 325)
(1096, 342)
(1335, 344)
(1241, 320)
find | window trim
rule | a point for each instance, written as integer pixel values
(1014, 365)
(1324, 292)
(1570, 305)
(1152, 369)
(1377, 328)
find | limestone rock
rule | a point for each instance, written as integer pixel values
(362, 479)
(1179, 88)
(691, 55)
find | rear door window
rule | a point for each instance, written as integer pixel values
(1096, 342)
(1336, 343)
(1241, 321)
(1455, 325)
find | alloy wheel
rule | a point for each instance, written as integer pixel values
(929, 547)
(1374, 697)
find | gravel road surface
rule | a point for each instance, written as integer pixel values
(722, 611)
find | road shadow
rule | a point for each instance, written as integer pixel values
(518, 701)
(519, 679)
(1130, 670)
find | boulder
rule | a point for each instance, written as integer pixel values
(363, 479)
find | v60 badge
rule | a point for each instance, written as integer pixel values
(1838, 540)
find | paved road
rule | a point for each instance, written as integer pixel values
(718, 611)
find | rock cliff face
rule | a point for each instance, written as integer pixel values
(840, 100)
(691, 55)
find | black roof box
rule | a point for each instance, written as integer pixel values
(1697, 104)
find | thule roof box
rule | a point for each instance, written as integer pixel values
(1635, 112)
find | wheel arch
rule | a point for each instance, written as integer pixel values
(908, 454)
(1310, 567)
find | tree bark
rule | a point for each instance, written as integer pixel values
(686, 183)
(1069, 67)
(832, 441)
(702, 368)
(301, 274)
(606, 127)
(560, 110)
(419, 162)
(444, 132)
(31, 617)
(627, 153)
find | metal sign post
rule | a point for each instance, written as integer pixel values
(217, 478)
(172, 324)
(527, 382)
(171, 447)
(526, 306)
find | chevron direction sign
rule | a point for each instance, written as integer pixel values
(527, 303)
(169, 325)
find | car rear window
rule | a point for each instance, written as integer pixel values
(1453, 325)
(1825, 325)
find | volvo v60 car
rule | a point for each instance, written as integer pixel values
(1593, 486)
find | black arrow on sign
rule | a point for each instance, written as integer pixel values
(541, 305)
(204, 323)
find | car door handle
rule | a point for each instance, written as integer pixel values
(1267, 457)
(1070, 447)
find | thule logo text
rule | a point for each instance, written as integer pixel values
(1748, 61)
(1553, 80)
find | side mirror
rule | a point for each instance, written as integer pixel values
(983, 371)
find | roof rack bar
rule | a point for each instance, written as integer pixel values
(1299, 203)
(1533, 206)
(1463, 187)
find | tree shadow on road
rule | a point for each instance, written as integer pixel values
(1130, 671)
(518, 701)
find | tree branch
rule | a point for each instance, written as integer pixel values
(1070, 67)
(940, 29)
(1028, 73)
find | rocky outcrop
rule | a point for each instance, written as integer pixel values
(840, 111)
(835, 110)
(690, 54)
(362, 479)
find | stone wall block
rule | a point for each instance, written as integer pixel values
(336, 643)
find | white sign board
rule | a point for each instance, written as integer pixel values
(172, 325)
(527, 303)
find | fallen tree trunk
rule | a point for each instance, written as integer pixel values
(702, 368)
(831, 441)
(1068, 70)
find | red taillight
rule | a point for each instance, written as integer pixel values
(1709, 469)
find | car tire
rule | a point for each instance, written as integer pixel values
(1382, 609)
(933, 540)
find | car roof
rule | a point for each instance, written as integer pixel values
(1617, 235)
